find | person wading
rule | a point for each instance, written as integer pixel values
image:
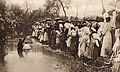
(20, 47)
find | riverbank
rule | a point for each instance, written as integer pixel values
(76, 64)
(72, 64)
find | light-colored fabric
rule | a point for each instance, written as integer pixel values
(73, 33)
(96, 36)
(116, 44)
(85, 30)
(26, 46)
(82, 50)
(42, 35)
(45, 36)
(101, 24)
(117, 32)
(57, 37)
(68, 41)
(33, 33)
(107, 40)
(67, 25)
(113, 19)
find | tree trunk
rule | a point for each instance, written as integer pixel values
(63, 8)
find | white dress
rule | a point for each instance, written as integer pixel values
(68, 41)
(82, 46)
(57, 37)
(42, 35)
(45, 36)
(107, 40)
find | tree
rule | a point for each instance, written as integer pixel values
(65, 4)
(52, 7)
(2, 29)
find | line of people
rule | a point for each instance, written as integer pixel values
(90, 38)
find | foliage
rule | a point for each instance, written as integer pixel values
(53, 7)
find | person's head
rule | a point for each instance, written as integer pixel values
(20, 39)
(108, 19)
(26, 42)
(72, 28)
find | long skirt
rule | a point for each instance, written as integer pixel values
(33, 33)
(57, 40)
(41, 37)
(45, 36)
(68, 42)
(106, 45)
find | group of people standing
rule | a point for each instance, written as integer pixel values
(90, 39)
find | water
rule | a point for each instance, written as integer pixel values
(35, 61)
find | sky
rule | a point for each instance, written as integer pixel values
(92, 7)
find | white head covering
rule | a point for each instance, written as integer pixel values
(37, 23)
(106, 15)
(60, 25)
(67, 25)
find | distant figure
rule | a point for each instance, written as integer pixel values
(26, 48)
(20, 47)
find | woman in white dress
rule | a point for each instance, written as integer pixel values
(107, 38)
(42, 35)
(45, 35)
(80, 33)
(83, 41)
(57, 38)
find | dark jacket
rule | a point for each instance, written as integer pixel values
(20, 45)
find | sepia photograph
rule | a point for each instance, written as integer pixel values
(59, 35)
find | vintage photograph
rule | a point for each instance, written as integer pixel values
(59, 35)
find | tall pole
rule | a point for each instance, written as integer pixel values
(103, 7)
(77, 11)
(85, 12)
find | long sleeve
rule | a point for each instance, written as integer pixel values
(23, 40)
(105, 29)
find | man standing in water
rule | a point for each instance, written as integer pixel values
(20, 47)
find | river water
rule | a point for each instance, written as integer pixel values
(35, 61)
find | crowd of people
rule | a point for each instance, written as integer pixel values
(89, 38)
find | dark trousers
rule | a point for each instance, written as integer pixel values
(20, 53)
